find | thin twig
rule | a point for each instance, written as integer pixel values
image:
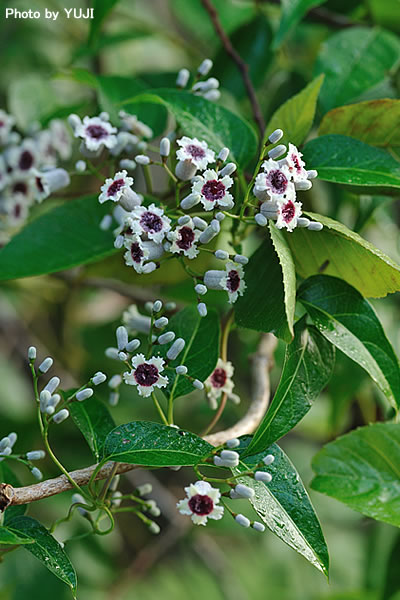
(241, 65)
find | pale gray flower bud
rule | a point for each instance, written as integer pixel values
(32, 353)
(261, 220)
(199, 223)
(212, 279)
(142, 159)
(44, 398)
(144, 490)
(37, 473)
(52, 385)
(106, 222)
(220, 216)
(190, 201)
(303, 222)
(210, 232)
(262, 476)
(157, 306)
(205, 67)
(303, 185)
(181, 370)
(35, 455)
(165, 147)
(111, 353)
(104, 116)
(183, 220)
(61, 416)
(154, 528)
(223, 154)
(122, 356)
(202, 309)
(84, 394)
(277, 151)
(240, 259)
(161, 322)
(233, 443)
(149, 268)
(115, 381)
(166, 338)
(153, 509)
(122, 337)
(80, 166)
(258, 526)
(199, 385)
(200, 289)
(130, 199)
(268, 460)
(133, 345)
(183, 78)
(73, 121)
(185, 170)
(98, 378)
(128, 164)
(275, 136)
(244, 491)
(4, 443)
(170, 306)
(229, 455)
(13, 438)
(312, 174)
(119, 242)
(176, 348)
(46, 365)
(242, 520)
(228, 169)
(315, 226)
(113, 399)
(221, 254)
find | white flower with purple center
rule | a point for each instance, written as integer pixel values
(138, 251)
(233, 281)
(213, 190)
(146, 374)
(201, 503)
(150, 222)
(24, 158)
(274, 182)
(296, 164)
(6, 124)
(16, 208)
(195, 151)
(220, 381)
(183, 240)
(96, 133)
(22, 186)
(288, 212)
(113, 188)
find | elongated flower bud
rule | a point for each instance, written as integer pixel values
(166, 337)
(277, 151)
(176, 348)
(205, 67)
(183, 78)
(61, 416)
(228, 169)
(84, 394)
(242, 520)
(35, 454)
(185, 170)
(46, 365)
(275, 136)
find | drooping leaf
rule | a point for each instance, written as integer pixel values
(155, 445)
(308, 366)
(46, 549)
(347, 320)
(61, 238)
(205, 120)
(93, 419)
(295, 117)
(354, 60)
(361, 168)
(101, 9)
(374, 122)
(269, 299)
(362, 470)
(201, 351)
(7, 476)
(340, 252)
(284, 506)
(13, 538)
(292, 13)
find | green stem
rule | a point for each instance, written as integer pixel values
(147, 177)
(160, 410)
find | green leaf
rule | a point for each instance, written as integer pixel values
(7, 476)
(353, 61)
(31, 98)
(361, 469)
(340, 252)
(392, 575)
(201, 351)
(350, 323)
(46, 549)
(205, 120)
(285, 508)
(154, 445)
(272, 264)
(295, 117)
(308, 366)
(292, 13)
(101, 9)
(252, 41)
(374, 122)
(361, 168)
(61, 238)
(13, 538)
(93, 419)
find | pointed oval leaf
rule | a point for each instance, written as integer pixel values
(292, 13)
(14, 538)
(361, 168)
(269, 299)
(7, 476)
(93, 419)
(155, 445)
(340, 252)
(361, 469)
(345, 318)
(46, 549)
(308, 366)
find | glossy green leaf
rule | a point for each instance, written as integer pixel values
(361, 469)
(285, 508)
(269, 299)
(7, 476)
(46, 549)
(93, 419)
(154, 445)
(295, 117)
(252, 41)
(101, 9)
(361, 168)
(292, 13)
(61, 238)
(205, 120)
(13, 538)
(354, 60)
(201, 351)
(338, 251)
(308, 366)
(347, 320)
(374, 122)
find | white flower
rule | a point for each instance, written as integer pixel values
(213, 191)
(3, 173)
(6, 124)
(132, 123)
(21, 186)
(139, 251)
(96, 133)
(195, 151)
(220, 381)
(150, 222)
(274, 182)
(16, 208)
(113, 188)
(288, 212)
(233, 282)
(201, 503)
(61, 138)
(23, 158)
(146, 374)
(134, 321)
(296, 164)
(183, 239)
(47, 150)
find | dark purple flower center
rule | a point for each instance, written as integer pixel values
(296, 163)
(195, 151)
(288, 211)
(2, 123)
(213, 190)
(115, 187)
(218, 378)
(25, 160)
(278, 181)
(186, 238)
(39, 184)
(146, 374)
(20, 187)
(233, 281)
(201, 505)
(17, 211)
(151, 222)
(136, 252)
(96, 131)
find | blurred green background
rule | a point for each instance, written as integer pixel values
(150, 40)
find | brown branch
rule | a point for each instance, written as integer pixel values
(239, 62)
